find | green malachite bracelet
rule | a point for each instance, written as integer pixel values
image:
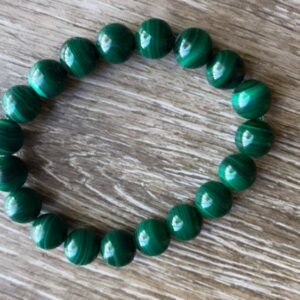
(115, 43)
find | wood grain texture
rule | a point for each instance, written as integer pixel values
(132, 140)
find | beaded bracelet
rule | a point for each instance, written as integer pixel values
(115, 44)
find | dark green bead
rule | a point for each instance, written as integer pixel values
(118, 248)
(115, 43)
(254, 138)
(193, 48)
(154, 38)
(13, 173)
(48, 231)
(82, 246)
(184, 222)
(21, 104)
(213, 199)
(11, 137)
(23, 205)
(48, 78)
(152, 237)
(237, 171)
(225, 70)
(251, 99)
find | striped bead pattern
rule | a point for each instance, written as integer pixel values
(11, 137)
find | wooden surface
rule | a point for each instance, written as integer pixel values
(132, 140)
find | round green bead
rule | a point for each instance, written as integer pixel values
(48, 78)
(79, 56)
(21, 104)
(152, 237)
(254, 138)
(13, 173)
(193, 48)
(23, 205)
(11, 137)
(184, 222)
(48, 231)
(237, 171)
(225, 70)
(118, 248)
(82, 246)
(115, 43)
(251, 99)
(213, 199)
(154, 38)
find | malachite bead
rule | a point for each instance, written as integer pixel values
(118, 248)
(11, 137)
(82, 246)
(193, 48)
(225, 70)
(48, 231)
(13, 173)
(48, 78)
(115, 43)
(251, 99)
(237, 171)
(23, 205)
(254, 138)
(79, 56)
(213, 199)
(152, 237)
(154, 38)
(184, 222)
(21, 104)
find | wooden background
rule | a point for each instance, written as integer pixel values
(132, 140)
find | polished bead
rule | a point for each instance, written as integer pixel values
(23, 205)
(48, 231)
(254, 138)
(48, 78)
(237, 171)
(115, 43)
(251, 99)
(225, 70)
(13, 173)
(11, 137)
(184, 222)
(154, 38)
(118, 248)
(21, 104)
(82, 246)
(152, 237)
(213, 199)
(193, 48)
(79, 56)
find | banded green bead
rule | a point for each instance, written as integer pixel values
(13, 173)
(251, 99)
(184, 222)
(48, 78)
(154, 38)
(21, 104)
(118, 248)
(23, 205)
(11, 137)
(237, 171)
(48, 231)
(79, 56)
(225, 70)
(82, 246)
(115, 43)
(152, 237)
(193, 48)
(254, 138)
(213, 200)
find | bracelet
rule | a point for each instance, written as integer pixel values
(115, 43)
